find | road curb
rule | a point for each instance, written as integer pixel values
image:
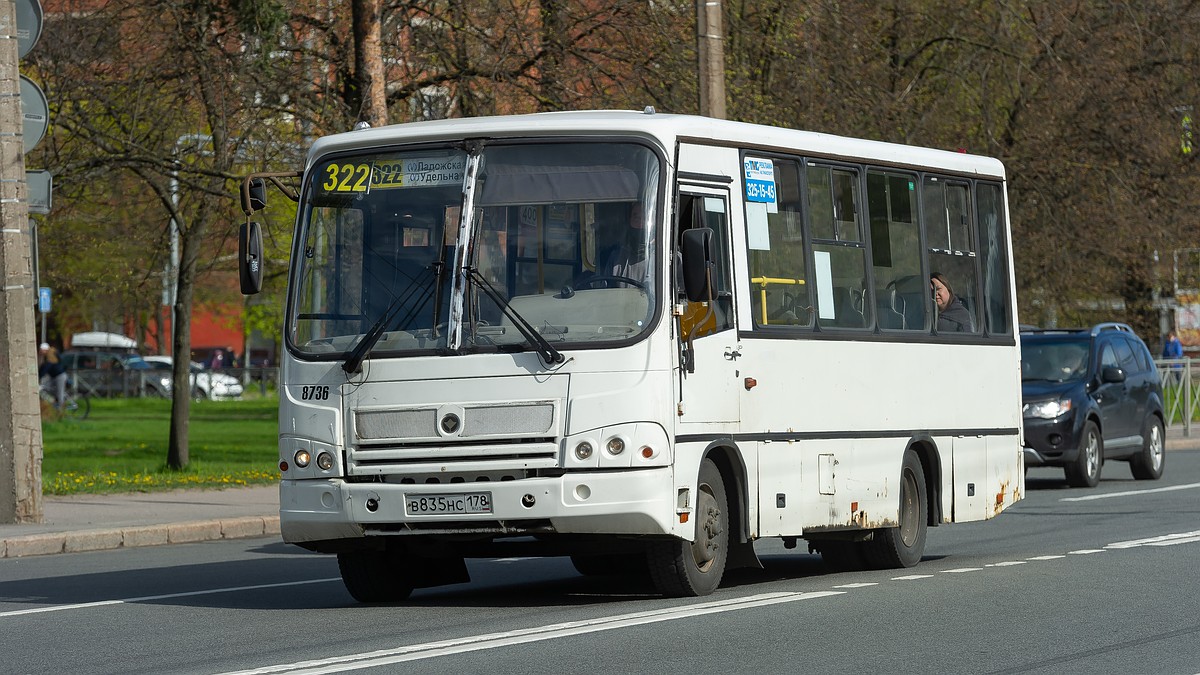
(102, 539)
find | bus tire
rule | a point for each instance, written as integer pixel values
(1085, 471)
(681, 568)
(903, 546)
(1148, 464)
(373, 576)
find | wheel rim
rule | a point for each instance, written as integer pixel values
(1093, 455)
(1156, 446)
(909, 513)
(708, 530)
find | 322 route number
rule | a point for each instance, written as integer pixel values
(314, 392)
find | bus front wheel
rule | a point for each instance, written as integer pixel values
(904, 545)
(682, 568)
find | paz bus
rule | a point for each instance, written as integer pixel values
(640, 340)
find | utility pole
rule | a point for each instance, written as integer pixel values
(20, 413)
(710, 46)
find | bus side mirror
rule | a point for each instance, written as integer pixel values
(250, 258)
(697, 259)
(254, 195)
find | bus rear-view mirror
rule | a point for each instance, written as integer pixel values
(250, 257)
(697, 260)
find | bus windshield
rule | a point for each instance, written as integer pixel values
(560, 237)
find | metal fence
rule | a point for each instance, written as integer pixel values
(1178, 377)
(108, 383)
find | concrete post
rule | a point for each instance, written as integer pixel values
(20, 412)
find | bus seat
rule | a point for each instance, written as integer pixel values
(889, 316)
(847, 315)
(911, 292)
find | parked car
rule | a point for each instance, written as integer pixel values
(204, 383)
(1091, 395)
(100, 373)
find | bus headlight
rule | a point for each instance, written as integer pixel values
(583, 450)
(302, 458)
(615, 446)
(325, 461)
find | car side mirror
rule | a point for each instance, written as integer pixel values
(697, 260)
(250, 258)
(1112, 374)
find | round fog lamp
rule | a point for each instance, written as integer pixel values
(583, 450)
(616, 445)
(302, 458)
(325, 461)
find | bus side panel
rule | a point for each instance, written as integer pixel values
(829, 485)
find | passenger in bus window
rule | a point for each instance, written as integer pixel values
(953, 316)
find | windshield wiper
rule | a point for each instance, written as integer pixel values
(549, 354)
(353, 363)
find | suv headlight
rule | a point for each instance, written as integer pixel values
(1047, 410)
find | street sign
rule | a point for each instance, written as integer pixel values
(44, 300)
(40, 184)
(29, 25)
(35, 113)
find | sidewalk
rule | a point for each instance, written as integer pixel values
(98, 522)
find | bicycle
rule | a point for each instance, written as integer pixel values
(75, 406)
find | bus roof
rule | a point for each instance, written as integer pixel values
(668, 129)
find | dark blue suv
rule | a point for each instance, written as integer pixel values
(1091, 395)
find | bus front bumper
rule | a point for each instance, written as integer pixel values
(627, 503)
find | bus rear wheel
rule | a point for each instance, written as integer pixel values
(903, 546)
(374, 576)
(682, 568)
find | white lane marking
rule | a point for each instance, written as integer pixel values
(1164, 540)
(912, 577)
(384, 657)
(861, 584)
(165, 596)
(1130, 493)
(1009, 563)
(960, 570)
(1046, 557)
(1086, 551)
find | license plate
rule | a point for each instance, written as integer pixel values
(448, 504)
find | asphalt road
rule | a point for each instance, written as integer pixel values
(1067, 581)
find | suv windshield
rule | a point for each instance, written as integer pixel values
(1054, 361)
(561, 231)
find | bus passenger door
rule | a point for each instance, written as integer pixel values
(709, 392)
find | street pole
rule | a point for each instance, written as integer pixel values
(20, 414)
(710, 47)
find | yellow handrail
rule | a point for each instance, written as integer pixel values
(763, 282)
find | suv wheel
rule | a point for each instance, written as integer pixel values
(1148, 464)
(1085, 471)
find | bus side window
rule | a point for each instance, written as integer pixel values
(949, 221)
(779, 287)
(838, 248)
(895, 250)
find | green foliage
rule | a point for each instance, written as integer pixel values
(121, 445)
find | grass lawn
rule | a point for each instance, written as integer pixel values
(122, 447)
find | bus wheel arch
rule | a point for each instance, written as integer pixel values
(931, 464)
(683, 568)
(904, 545)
